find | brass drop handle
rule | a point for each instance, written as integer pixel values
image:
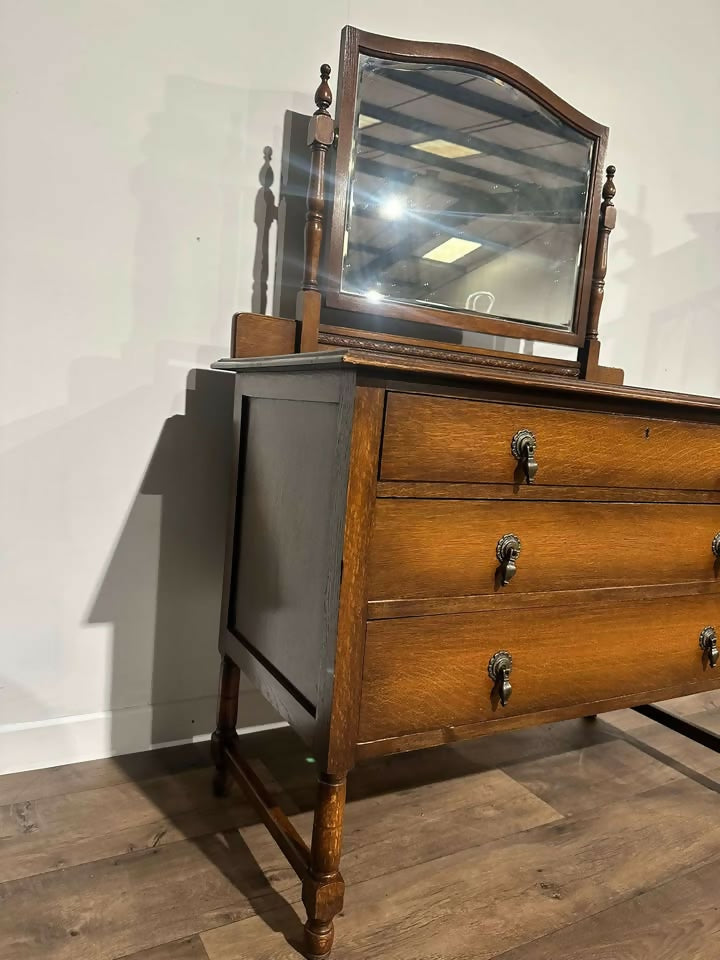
(523, 447)
(507, 552)
(499, 670)
(709, 645)
(716, 545)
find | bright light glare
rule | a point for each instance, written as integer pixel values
(374, 295)
(393, 207)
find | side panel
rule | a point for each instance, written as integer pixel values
(284, 560)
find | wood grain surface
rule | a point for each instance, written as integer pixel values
(190, 948)
(423, 673)
(343, 696)
(447, 548)
(678, 919)
(468, 441)
(508, 894)
(467, 851)
(515, 603)
(419, 490)
(257, 335)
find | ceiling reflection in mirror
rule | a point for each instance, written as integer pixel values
(464, 194)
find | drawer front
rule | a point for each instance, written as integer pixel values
(468, 441)
(425, 673)
(448, 548)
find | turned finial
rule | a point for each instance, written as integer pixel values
(609, 185)
(607, 207)
(321, 136)
(323, 94)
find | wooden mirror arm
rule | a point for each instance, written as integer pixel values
(590, 351)
(321, 135)
(608, 216)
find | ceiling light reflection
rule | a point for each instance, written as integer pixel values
(451, 250)
(444, 148)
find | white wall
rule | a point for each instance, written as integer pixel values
(132, 137)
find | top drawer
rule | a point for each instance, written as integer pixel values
(469, 441)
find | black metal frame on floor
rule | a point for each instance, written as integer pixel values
(691, 730)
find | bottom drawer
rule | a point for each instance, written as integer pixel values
(425, 673)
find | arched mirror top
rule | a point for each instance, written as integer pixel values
(466, 192)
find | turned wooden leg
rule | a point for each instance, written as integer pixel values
(227, 711)
(324, 888)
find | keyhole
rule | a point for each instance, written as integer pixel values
(647, 432)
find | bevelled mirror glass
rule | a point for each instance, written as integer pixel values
(463, 193)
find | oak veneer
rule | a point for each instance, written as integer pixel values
(278, 335)
(447, 548)
(460, 441)
(514, 603)
(499, 491)
(425, 673)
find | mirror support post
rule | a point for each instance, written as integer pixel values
(589, 354)
(321, 135)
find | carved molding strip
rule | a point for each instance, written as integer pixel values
(433, 353)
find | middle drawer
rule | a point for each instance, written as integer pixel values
(447, 548)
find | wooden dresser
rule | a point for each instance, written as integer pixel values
(434, 535)
(421, 556)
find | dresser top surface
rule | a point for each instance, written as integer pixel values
(388, 367)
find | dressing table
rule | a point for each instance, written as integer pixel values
(433, 536)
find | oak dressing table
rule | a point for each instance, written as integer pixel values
(432, 536)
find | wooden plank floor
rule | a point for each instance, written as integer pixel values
(585, 841)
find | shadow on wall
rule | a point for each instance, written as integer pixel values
(162, 592)
(69, 476)
(672, 346)
(199, 219)
(266, 213)
(162, 587)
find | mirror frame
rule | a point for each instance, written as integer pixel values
(356, 42)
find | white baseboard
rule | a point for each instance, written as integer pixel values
(62, 740)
